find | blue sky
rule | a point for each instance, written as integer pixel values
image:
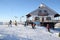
(11, 8)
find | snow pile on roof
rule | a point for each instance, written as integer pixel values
(42, 5)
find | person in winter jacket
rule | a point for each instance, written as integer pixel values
(33, 25)
(48, 27)
(10, 23)
(15, 23)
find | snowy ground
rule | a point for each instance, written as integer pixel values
(27, 33)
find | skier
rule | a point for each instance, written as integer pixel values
(15, 23)
(48, 27)
(25, 24)
(33, 25)
(10, 23)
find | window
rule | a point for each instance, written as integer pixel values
(45, 11)
(40, 12)
(37, 18)
(48, 18)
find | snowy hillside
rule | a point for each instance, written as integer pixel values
(27, 33)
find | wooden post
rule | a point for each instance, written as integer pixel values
(42, 21)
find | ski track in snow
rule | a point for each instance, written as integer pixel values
(26, 33)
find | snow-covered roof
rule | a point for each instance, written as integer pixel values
(43, 10)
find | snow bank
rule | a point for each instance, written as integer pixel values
(26, 33)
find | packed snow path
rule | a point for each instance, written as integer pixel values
(26, 33)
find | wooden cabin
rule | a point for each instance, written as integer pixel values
(44, 15)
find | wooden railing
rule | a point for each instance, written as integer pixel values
(57, 21)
